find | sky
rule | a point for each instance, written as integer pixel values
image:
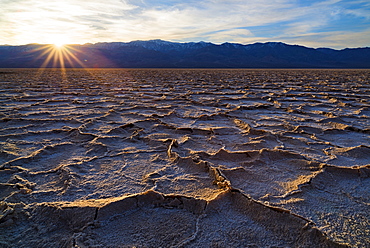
(332, 23)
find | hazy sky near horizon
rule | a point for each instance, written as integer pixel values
(332, 23)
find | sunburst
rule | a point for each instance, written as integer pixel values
(58, 54)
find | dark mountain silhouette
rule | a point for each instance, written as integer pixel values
(165, 54)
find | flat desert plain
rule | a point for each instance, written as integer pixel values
(184, 158)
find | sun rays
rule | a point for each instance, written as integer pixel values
(59, 55)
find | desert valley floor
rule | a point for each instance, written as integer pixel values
(184, 158)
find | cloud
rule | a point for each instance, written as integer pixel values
(201, 18)
(233, 35)
(334, 39)
(210, 20)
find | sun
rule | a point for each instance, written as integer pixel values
(58, 40)
(59, 44)
(58, 54)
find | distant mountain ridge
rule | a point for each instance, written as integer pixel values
(166, 54)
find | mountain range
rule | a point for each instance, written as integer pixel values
(165, 54)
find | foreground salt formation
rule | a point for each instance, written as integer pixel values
(185, 158)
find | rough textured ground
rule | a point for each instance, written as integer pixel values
(185, 158)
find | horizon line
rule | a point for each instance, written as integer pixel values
(179, 42)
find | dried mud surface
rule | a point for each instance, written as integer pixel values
(185, 158)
